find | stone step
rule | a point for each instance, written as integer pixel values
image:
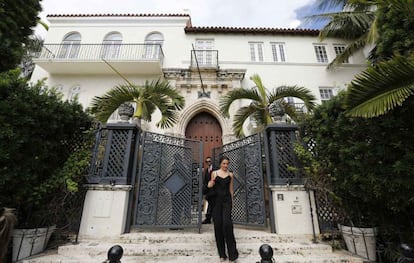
(337, 257)
(188, 245)
(206, 234)
(188, 249)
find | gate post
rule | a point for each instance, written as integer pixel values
(111, 176)
(291, 205)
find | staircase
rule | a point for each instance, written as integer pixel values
(181, 246)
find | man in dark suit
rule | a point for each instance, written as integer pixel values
(206, 191)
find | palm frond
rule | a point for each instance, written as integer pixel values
(104, 106)
(169, 117)
(237, 94)
(260, 87)
(240, 118)
(381, 88)
(405, 6)
(293, 91)
(156, 94)
(347, 24)
(349, 50)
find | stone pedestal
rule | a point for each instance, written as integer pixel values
(104, 211)
(292, 210)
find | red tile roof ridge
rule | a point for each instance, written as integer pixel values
(224, 29)
(119, 15)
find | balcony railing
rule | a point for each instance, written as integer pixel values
(204, 58)
(98, 52)
(299, 107)
(83, 59)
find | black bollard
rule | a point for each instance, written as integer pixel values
(266, 253)
(115, 254)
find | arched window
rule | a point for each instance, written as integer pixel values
(74, 92)
(70, 46)
(111, 45)
(153, 44)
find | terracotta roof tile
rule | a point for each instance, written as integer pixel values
(118, 15)
(252, 30)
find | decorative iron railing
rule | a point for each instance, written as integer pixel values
(204, 58)
(97, 52)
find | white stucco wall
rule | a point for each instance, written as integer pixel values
(300, 69)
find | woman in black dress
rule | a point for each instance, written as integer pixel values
(222, 182)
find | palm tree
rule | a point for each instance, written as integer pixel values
(157, 94)
(388, 81)
(355, 22)
(258, 109)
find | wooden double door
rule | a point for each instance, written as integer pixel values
(206, 128)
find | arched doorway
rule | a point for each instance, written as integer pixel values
(206, 128)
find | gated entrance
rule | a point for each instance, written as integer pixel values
(246, 164)
(165, 173)
(169, 182)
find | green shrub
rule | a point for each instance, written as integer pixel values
(369, 164)
(38, 133)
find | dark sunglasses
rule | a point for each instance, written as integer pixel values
(208, 161)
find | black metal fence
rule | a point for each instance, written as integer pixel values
(280, 156)
(113, 154)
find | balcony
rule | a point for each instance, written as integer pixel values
(101, 58)
(204, 59)
(299, 107)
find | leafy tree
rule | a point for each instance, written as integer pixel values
(158, 94)
(260, 102)
(17, 18)
(369, 163)
(38, 133)
(387, 24)
(34, 45)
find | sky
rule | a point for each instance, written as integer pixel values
(229, 13)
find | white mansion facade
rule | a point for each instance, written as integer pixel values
(87, 55)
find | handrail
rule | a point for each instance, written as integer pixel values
(204, 58)
(97, 52)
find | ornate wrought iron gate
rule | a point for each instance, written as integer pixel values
(246, 163)
(169, 182)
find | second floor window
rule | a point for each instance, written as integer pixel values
(339, 49)
(111, 45)
(153, 44)
(278, 52)
(321, 55)
(204, 52)
(256, 51)
(326, 93)
(70, 46)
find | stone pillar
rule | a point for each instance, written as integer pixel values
(104, 211)
(292, 210)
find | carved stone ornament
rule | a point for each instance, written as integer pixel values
(125, 111)
(276, 110)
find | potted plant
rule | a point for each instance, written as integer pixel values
(39, 132)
